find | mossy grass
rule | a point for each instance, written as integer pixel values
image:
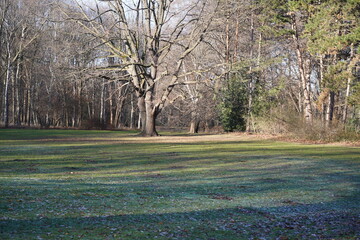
(76, 184)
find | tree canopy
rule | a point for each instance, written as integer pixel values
(256, 66)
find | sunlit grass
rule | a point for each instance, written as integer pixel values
(65, 184)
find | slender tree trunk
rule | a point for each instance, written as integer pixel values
(16, 86)
(111, 104)
(116, 108)
(236, 40)
(94, 100)
(119, 111)
(301, 97)
(348, 85)
(74, 110)
(28, 103)
(17, 96)
(6, 91)
(80, 104)
(227, 48)
(321, 87)
(102, 104)
(25, 103)
(305, 71)
(252, 80)
(89, 110)
(13, 102)
(330, 108)
(307, 93)
(132, 112)
(139, 121)
(347, 95)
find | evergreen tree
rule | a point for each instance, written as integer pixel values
(233, 106)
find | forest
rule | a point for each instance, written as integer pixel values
(179, 119)
(262, 66)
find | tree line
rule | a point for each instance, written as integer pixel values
(238, 65)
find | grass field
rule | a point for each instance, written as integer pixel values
(69, 184)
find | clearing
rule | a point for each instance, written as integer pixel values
(73, 184)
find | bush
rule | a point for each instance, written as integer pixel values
(233, 106)
(96, 124)
(291, 123)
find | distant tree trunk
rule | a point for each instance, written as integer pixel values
(330, 108)
(132, 112)
(28, 99)
(16, 86)
(251, 81)
(142, 113)
(305, 71)
(194, 99)
(347, 94)
(94, 102)
(13, 94)
(74, 110)
(17, 95)
(321, 85)
(119, 109)
(102, 104)
(307, 92)
(6, 91)
(80, 88)
(348, 85)
(111, 104)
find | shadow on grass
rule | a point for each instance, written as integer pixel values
(236, 160)
(228, 223)
(212, 190)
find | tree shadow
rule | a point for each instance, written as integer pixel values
(242, 189)
(310, 221)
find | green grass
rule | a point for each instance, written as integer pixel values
(68, 184)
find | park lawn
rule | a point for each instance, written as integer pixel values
(73, 184)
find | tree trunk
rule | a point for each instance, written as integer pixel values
(74, 113)
(118, 112)
(347, 94)
(307, 92)
(252, 81)
(194, 124)
(13, 94)
(102, 105)
(330, 109)
(111, 104)
(142, 113)
(6, 93)
(16, 85)
(151, 114)
(28, 103)
(132, 112)
(321, 87)
(305, 71)
(345, 113)
(80, 104)
(17, 95)
(150, 129)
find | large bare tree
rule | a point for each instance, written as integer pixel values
(150, 40)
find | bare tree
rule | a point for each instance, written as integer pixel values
(143, 36)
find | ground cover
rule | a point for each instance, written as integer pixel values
(73, 184)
